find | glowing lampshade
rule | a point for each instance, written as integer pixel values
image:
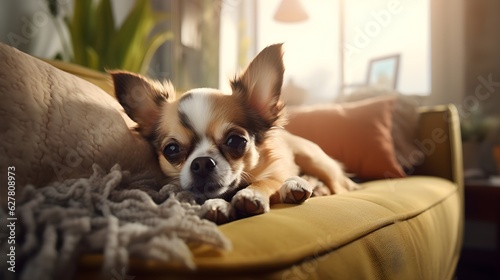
(290, 11)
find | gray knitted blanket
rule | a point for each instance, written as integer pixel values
(59, 222)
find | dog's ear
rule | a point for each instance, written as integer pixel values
(260, 84)
(141, 98)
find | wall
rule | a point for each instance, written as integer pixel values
(482, 73)
(28, 26)
(482, 54)
(447, 52)
(481, 93)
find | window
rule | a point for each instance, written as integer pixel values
(377, 29)
(330, 53)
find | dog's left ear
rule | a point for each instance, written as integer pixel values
(141, 98)
(260, 84)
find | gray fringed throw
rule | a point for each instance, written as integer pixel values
(96, 214)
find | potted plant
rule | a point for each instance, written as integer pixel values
(96, 44)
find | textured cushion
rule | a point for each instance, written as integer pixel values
(392, 229)
(358, 134)
(55, 125)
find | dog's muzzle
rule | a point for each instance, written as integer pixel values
(202, 169)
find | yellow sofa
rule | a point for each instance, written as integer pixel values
(409, 228)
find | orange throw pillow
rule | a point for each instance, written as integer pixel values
(358, 134)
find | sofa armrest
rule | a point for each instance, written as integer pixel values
(439, 135)
(439, 138)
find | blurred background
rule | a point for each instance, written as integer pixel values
(435, 51)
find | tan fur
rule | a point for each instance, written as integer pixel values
(313, 161)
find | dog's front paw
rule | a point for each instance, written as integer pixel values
(248, 202)
(218, 211)
(295, 190)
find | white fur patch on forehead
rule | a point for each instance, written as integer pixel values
(202, 149)
(196, 107)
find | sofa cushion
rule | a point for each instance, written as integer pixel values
(405, 120)
(358, 134)
(392, 229)
(56, 125)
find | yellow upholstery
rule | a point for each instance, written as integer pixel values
(408, 228)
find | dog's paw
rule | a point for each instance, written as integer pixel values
(248, 202)
(295, 190)
(217, 210)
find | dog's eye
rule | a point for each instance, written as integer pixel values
(171, 149)
(173, 152)
(237, 143)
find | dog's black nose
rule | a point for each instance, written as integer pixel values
(203, 166)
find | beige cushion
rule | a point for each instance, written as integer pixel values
(55, 126)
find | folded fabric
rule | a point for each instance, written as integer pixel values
(104, 214)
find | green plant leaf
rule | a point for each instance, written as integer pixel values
(132, 38)
(150, 48)
(92, 58)
(80, 27)
(105, 23)
(98, 44)
(147, 44)
(137, 25)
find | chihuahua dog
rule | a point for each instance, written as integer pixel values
(230, 148)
